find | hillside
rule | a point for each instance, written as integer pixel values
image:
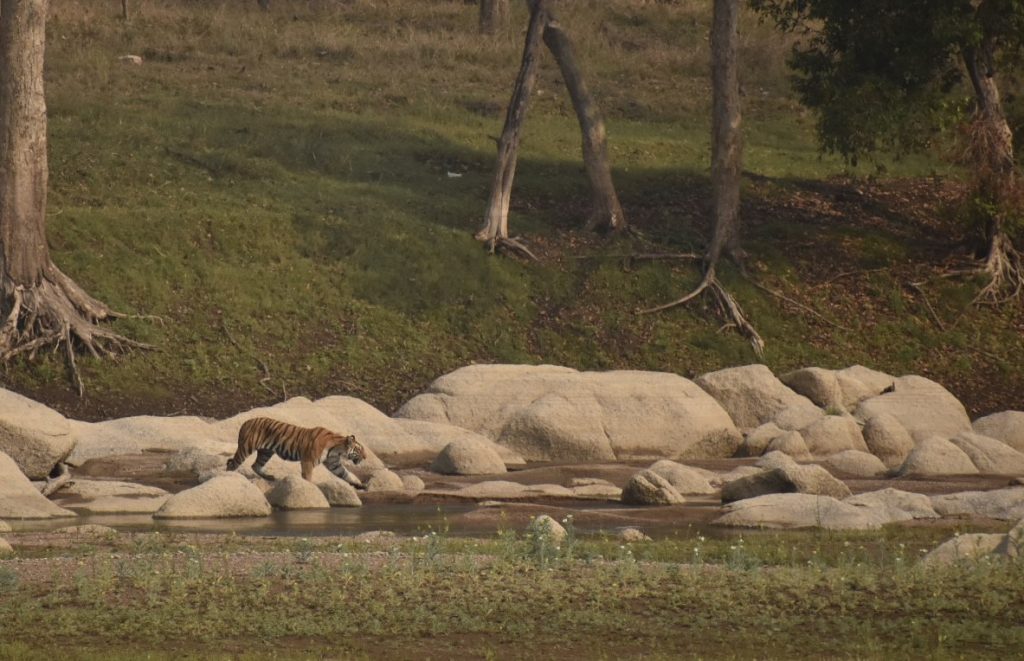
(293, 194)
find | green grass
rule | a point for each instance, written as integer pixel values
(275, 187)
(826, 594)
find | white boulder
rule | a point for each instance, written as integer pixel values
(226, 495)
(35, 436)
(19, 498)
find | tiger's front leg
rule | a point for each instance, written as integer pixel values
(349, 477)
(262, 457)
(307, 470)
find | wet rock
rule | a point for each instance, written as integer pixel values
(751, 394)
(1006, 426)
(887, 439)
(832, 434)
(295, 493)
(466, 457)
(548, 413)
(33, 435)
(799, 510)
(338, 492)
(855, 464)
(923, 407)
(649, 488)
(19, 499)
(227, 495)
(810, 479)
(684, 479)
(937, 456)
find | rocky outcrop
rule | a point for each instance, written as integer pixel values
(149, 433)
(468, 457)
(295, 493)
(35, 436)
(548, 413)
(226, 495)
(19, 499)
(923, 407)
(937, 456)
(1006, 426)
(809, 479)
(685, 480)
(799, 510)
(751, 394)
(649, 488)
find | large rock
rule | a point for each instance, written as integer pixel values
(1006, 426)
(148, 433)
(118, 505)
(85, 489)
(1001, 504)
(790, 443)
(809, 479)
(437, 435)
(911, 505)
(338, 492)
(855, 464)
(5, 547)
(963, 548)
(859, 383)
(887, 439)
(649, 488)
(296, 493)
(937, 456)
(751, 394)
(819, 385)
(832, 434)
(35, 436)
(548, 413)
(468, 457)
(756, 442)
(506, 490)
(800, 510)
(544, 527)
(227, 495)
(992, 457)
(923, 407)
(19, 499)
(684, 479)
(384, 480)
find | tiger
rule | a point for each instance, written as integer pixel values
(267, 437)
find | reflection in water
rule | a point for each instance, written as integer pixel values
(404, 519)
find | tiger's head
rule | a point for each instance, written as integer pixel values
(349, 448)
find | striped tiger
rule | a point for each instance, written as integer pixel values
(267, 437)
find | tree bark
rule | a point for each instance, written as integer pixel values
(124, 9)
(607, 212)
(495, 229)
(493, 14)
(726, 139)
(39, 305)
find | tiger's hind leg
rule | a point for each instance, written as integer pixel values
(236, 461)
(262, 457)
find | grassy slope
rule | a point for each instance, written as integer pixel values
(276, 188)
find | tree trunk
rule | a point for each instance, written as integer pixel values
(607, 212)
(39, 305)
(124, 9)
(726, 139)
(997, 180)
(495, 228)
(493, 14)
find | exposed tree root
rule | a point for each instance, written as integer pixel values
(1004, 268)
(57, 312)
(511, 245)
(728, 306)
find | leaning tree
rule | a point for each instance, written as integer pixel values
(39, 305)
(890, 74)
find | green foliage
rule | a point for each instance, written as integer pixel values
(888, 74)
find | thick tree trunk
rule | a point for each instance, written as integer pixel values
(495, 229)
(39, 305)
(726, 139)
(997, 179)
(493, 15)
(607, 212)
(124, 9)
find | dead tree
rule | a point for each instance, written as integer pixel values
(493, 14)
(726, 164)
(39, 305)
(606, 212)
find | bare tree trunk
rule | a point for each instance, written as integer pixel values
(493, 14)
(726, 165)
(124, 9)
(495, 229)
(39, 305)
(997, 179)
(607, 212)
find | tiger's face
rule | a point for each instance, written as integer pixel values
(354, 450)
